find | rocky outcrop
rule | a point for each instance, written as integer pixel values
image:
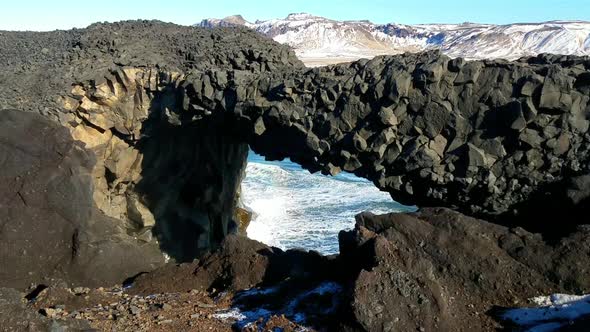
(170, 184)
(168, 113)
(506, 141)
(239, 263)
(176, 182)
(440, 270)
(491, 138)
(433, 270)
(502, 140)
(50, 229)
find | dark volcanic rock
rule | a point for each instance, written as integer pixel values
(491, 138)
(439, 270)
(49, 227)
(166, 177)
(168, 113)
(499, 140)
(16, 316)
(239, 263)
(433, 270)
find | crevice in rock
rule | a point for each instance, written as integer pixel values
(32, 295)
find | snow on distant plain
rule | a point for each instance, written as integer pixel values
(314, 37)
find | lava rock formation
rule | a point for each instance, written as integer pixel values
(130, 140)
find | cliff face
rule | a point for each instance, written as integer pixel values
(501, 140)
(161, 183)
(50, 227)
(169, 112)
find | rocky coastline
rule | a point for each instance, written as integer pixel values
(123, 147)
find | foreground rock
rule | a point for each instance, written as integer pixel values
(266, 282)
(433, 270)
(16, 316)
(440, 270)
(58, 308)
(50, 229)
(240, 263)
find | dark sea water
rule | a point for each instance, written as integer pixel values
(297, 209)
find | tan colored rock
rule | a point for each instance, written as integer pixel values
(438, 145)
(121, 158)
(90, 136)
(139, 213)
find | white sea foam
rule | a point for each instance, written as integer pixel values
(296, 209)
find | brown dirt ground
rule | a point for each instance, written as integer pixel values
(114, 309)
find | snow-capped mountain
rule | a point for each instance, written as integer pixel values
(316, 39)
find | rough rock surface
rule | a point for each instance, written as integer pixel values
(168, 113)
(61, 309)
(49, 227)
(16, 316)
(111, 85)
(502, 140)
(239, 263)
(495, 139)
(433, 270)
(439, 270)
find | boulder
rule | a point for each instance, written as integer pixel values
(439, 270)
(51, 227)
(239, 263)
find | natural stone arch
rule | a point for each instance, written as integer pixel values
(495, 139)
(486, 137)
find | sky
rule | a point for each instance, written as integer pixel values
(43, 15)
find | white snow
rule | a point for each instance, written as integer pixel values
(242, 318)
(318, 37)
(551, 313)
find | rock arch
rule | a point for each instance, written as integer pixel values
(491, 139)
(170, 118)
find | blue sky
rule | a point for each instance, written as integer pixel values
(65, 14)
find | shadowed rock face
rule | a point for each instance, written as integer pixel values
(169, 112)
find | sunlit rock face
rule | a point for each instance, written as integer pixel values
(169, 112)
(495, 139)
(161, 187)
(175, 182)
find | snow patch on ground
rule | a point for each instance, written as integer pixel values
(552, 312)
(244, 317)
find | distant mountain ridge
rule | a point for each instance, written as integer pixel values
(315, 37)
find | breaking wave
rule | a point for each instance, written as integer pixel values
(296, 209)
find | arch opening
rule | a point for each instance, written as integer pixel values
(294, 208)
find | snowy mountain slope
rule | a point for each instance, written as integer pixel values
(315, 37)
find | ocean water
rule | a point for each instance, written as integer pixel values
(296, 209)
